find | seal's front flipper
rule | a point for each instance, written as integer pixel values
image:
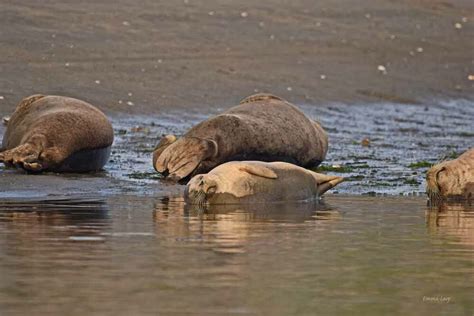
(165, 141)
(326, 182)
(24, 156)
(260, 171)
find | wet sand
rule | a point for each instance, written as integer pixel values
(151, 56)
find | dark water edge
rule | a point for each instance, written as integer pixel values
(131, 255)
(381, 149)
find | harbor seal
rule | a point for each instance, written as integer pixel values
(56, 133)
(243, 182)
(262, 127)
(452, 180)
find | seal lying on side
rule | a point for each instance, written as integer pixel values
(257, 182)
(452, 179)
(263, 127)
(56, 133)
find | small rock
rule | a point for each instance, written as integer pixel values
(365, 142)
(272, 37)
(130, 94)
(2, 97)
(211, 13)
(458, 26)
(97, 81)
(382, 69)
(289, 88)
(470, 77)
(244, 14)
(323, 77)
(130, 103)
(126, 23)
(419, 49)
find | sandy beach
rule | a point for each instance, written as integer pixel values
(149, 56)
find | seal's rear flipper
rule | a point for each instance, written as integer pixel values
(326, 182)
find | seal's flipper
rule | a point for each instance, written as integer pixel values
(326, 182)
(260, 97)
(162, 145)
(26, 102)
(432, 185)
(260, 171)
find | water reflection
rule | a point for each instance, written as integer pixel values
(452, 220)
(228, 228)
(29, 221)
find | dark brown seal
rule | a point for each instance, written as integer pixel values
(452, 180)
(262, 127)
(56, 133)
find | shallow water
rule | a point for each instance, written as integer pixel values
(127, 255)
(122, 242)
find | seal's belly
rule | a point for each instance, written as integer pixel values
(86, 160)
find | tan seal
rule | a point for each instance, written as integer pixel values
(56, 133)
(262, 127)
(452, 179)
(257, 182)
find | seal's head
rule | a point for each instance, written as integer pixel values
(201, 189)
(177, 159)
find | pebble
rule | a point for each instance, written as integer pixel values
(289, 89)
(126, 23)
(130, 94)
(244, 14)
(419, 49)
(470, 77)
(323, 77)
(382, 69)
(211, 13)
(67, 64)
(458, 26)
(2, 97)
(97, 81)
(130, 103)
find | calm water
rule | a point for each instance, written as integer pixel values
(127, 255)
(122, 242)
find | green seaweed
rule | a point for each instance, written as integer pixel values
(341, 169)
(144, 175)
(420, 164)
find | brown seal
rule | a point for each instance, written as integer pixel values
(262, 127)
(245, 182)
(56, 133)
(452, 180)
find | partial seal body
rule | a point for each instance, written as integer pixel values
(452, 180)
(243, 182)
(55, 133)
(263, 127)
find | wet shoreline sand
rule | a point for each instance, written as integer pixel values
(155, 56)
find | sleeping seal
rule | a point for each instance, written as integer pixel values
(55, 133)
(263, 127)
(452, 179)
(243, 182)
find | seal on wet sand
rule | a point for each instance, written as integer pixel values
(242, 182)
(56, 133)
(452, 180)
(263, 127)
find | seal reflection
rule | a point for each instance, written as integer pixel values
(229, 228)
